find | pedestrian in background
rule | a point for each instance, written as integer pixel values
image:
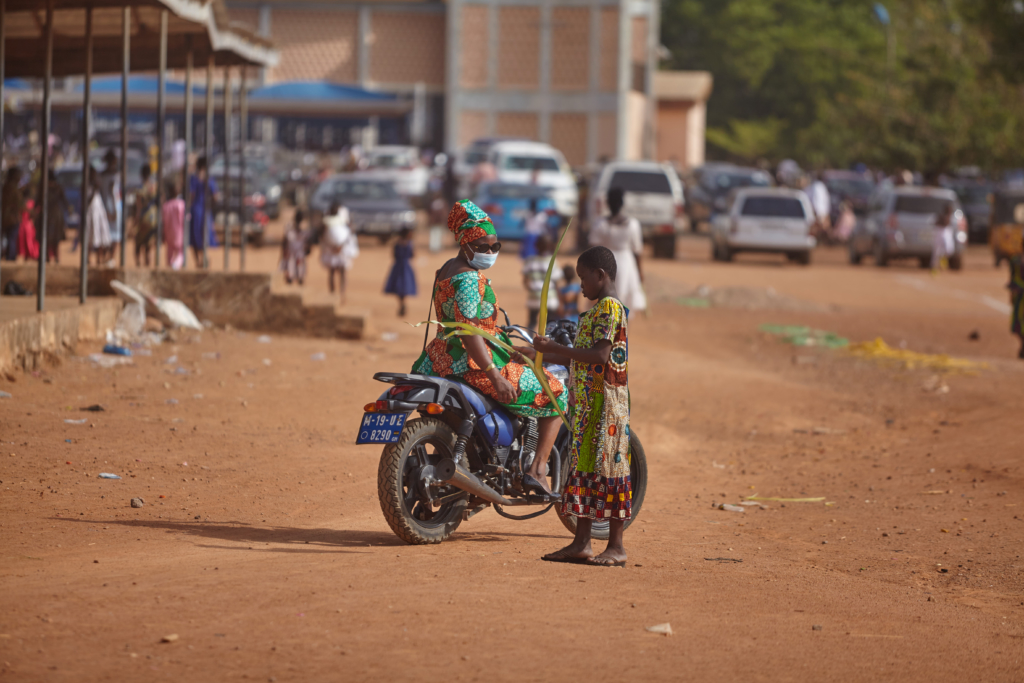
(203, 191)
(339, 247)
(534, 271)
(97, 225)
(569, 295)
(145, 214)
(56, 217)
(1016, 287)
(293, 250)
(942, 238)
(110, 191)
(173, 212)
(621, 234)
(13, 205)
(28, 241)
(402, 279)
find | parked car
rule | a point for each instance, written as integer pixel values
(261, 186)
(901, 224)
(975, 196)
(374, 206)
(399, 165)
(848, 185)
(477, 152)
(254, 214)
(653, 195)
(772, 219)
(540, 164)
(508, 205)
(70, 179)
(708, 194)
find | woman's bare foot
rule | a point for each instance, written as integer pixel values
(574, 552)
(611, 557)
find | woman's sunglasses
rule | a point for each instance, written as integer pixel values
(486, 248)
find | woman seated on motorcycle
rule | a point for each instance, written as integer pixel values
(462, 294)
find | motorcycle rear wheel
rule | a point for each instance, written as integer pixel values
(424, 441)
(637, 480)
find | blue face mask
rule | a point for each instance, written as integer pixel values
(483, 261)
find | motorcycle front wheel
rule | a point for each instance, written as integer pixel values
(637, 480)
(424, 441)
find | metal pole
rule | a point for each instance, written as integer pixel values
(126, 31)
(83, 232)
(160, 115)
(209, 153)
(188, 146)
(3, 39)
(226, 189)
(243, 137)
(44, 178)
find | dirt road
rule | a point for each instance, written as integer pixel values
(261, 545)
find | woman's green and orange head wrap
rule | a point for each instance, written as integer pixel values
(468, 222)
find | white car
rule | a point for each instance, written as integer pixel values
(772, 219)
(652, 194)
(400, 165)
(536, 163)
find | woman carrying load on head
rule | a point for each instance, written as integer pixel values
(462, 294)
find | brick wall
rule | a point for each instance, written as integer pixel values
(606, 135)
(672, 131)
(570, 48)
(315, 46)
(519, 47)
(474, 45)
(517, 124)
(472, 125)
(407, 47)
(638, 46)
(609, 77)
(569, 134)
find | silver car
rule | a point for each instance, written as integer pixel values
(770, 219)
(900, 223)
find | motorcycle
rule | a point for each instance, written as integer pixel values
(465, 452)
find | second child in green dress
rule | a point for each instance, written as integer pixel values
(598, 487)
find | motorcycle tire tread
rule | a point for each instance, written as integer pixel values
(389, 485)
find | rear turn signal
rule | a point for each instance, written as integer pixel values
(434, 408)
(370, 408)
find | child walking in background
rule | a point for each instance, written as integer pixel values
(339, 247)
(942, 239)
(534, 271)
(293, 250)
(569, 295)
(598, 487)
(174, 225)
(402, 280)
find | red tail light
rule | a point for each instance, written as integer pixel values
(665, 229)
(734, 226)
(893, 224)
(494, 209)
(400, 389)
(680, 210)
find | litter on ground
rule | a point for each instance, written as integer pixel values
(878, 350)
(799, 335)
(786, 500)
(76, 422)
(108, 475)
(661, 629)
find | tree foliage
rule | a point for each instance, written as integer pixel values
(823, 82)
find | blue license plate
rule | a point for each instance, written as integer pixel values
(381, 427)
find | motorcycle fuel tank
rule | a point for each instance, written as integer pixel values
(497, 427)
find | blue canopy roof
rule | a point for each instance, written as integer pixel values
(137, 85)
(316, 91)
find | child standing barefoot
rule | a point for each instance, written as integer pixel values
(598, 487)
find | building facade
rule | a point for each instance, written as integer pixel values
(574, 73)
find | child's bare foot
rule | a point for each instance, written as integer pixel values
(611, 557)
(573, 553)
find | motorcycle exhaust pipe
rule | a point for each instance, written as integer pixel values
(449, 472)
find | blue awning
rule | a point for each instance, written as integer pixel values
(317, 91)
(137, 85)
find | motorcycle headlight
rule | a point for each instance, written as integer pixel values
(274, 193)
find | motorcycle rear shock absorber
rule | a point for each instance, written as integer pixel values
(462, 434)
(529, 449)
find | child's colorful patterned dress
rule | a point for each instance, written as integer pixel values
(598, 486)
(468, 298)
